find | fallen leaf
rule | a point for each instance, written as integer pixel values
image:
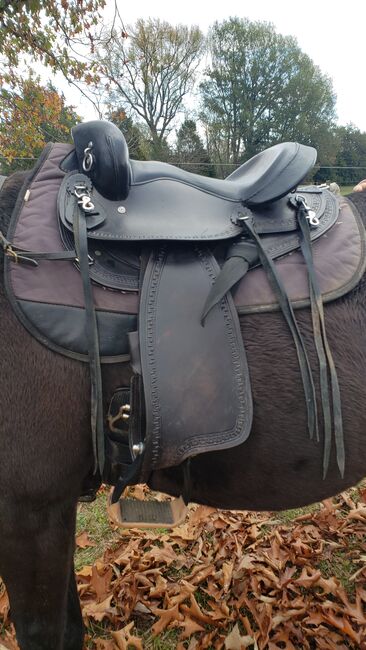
(125, 640)
(166, 616)
(101, 583)
(235, 641)
(82, 540)
(189, 628)
(98, 611)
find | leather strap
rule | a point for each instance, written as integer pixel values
(325, 358)
(30, 257)
(91, 330)
(240, 257)
(288, 312)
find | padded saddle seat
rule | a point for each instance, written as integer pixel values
(266, 177)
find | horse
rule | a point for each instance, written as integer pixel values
(46, 449)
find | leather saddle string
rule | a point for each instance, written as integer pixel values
(31, 257)
(288, 312)
(240, 256)
(324, 354)
(92, 338)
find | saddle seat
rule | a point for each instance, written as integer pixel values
(267, 176)
(162, 202)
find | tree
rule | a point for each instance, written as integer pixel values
(30, 116)
(49, 31)
(351, 154)
(260, 89)
(190, 149)
(151, 73)
(137, 142)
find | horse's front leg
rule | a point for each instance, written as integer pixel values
(74, 630)
(36, 563)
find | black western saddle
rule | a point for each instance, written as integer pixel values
(182, 242)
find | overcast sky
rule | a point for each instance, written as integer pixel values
(332, 33)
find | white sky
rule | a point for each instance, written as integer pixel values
(332, 33)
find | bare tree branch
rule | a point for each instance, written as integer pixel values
(152, 71)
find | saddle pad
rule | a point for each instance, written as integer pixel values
(49, 298)
(339, 260)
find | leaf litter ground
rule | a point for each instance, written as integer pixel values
(231, 580)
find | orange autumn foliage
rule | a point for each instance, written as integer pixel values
(30, 116)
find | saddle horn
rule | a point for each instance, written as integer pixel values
(102, 154)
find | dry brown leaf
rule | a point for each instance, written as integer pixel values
(183, 532)
(4, 604)
(195, 611)
(166, 616)
(283, 638)
(85, 572)
(227, 572)
(308, 577)
(285, 578)
(354, 610)
(202, 513)
(165, 555)
(276, 555)
(235, 641)
(200, 574)
(285, 616)
(104, 644)
(343, 625)
(189, 627)
(101, 583)
(185, 591)
(98, 611)
(82, 540)
(9, 642)
(125, 640)
(362, 493)
(159, 587)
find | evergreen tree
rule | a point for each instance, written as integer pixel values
(137, 141)
(351, 155)
(190, 150)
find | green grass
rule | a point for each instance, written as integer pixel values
(93, 518)
(340, 567)
(347, 189)
(168, 640)
(286, 516)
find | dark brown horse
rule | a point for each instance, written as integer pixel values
(46, 450)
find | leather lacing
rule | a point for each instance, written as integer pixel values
(244, 254)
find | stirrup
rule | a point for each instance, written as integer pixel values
(134, 513)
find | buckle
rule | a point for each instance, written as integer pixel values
(310, 214)
(83, 196)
